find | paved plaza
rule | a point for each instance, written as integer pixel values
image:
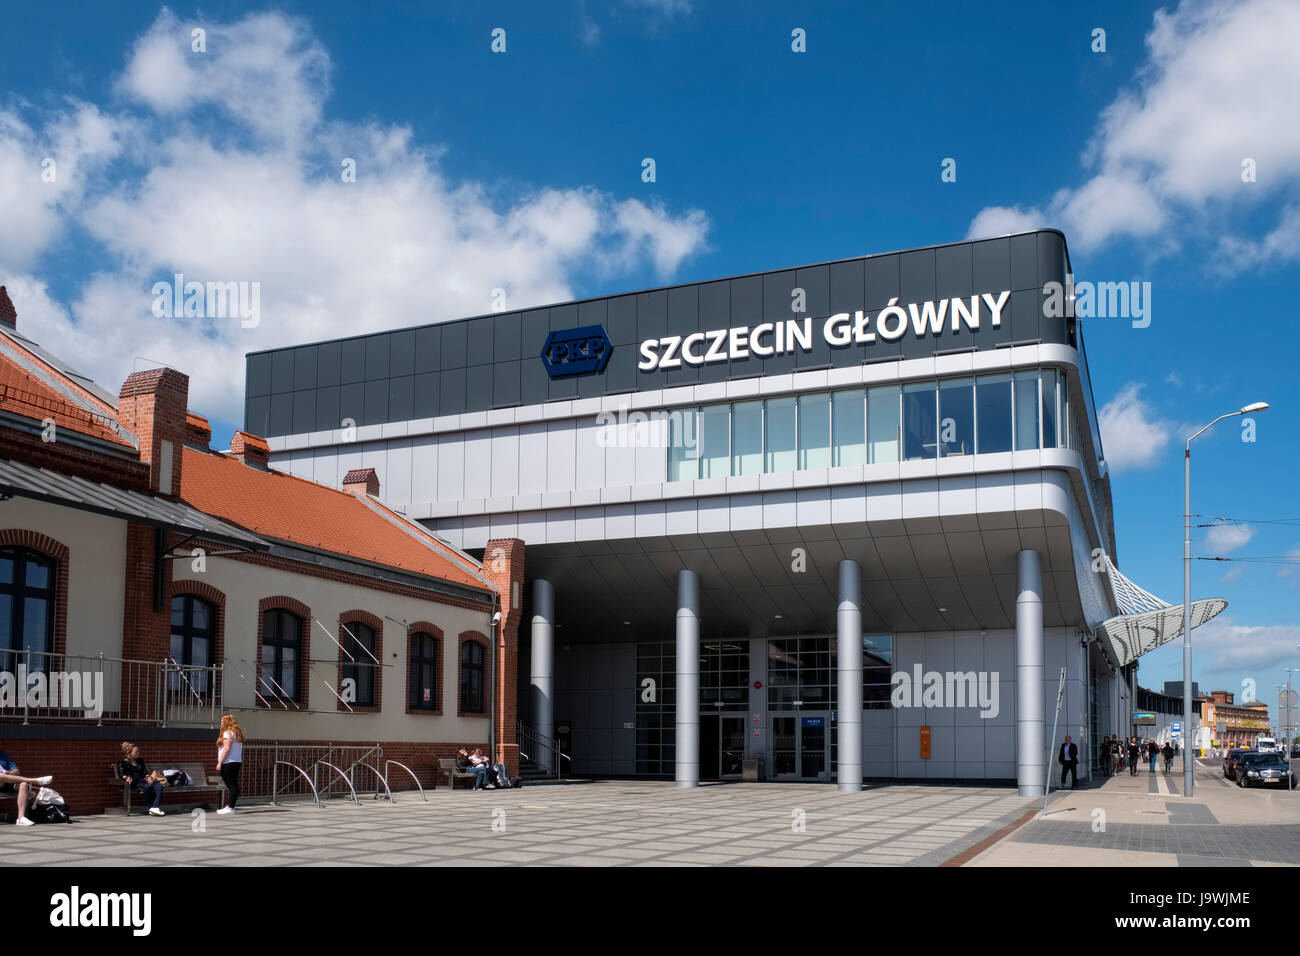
(1143, 820)
(608, 823)
(1120, 821)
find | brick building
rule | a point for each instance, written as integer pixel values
(150, 583)
(1233, 725)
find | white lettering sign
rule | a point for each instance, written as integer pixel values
(842, 330)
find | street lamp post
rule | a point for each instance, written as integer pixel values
(1190, 766)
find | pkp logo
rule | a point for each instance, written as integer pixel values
(576, 351)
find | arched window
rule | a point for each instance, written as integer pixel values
(424, 671)
(471, 678)
(358, 639)
(281, 655)
(27, 602)
(194, 623)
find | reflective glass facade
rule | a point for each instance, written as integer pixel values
(919, 421)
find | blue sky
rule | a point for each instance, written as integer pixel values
(522, 170)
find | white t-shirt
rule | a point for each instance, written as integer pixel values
(236, 754)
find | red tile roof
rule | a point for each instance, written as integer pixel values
(22, 393)
(281, 506)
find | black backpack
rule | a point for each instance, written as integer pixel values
(50, 813)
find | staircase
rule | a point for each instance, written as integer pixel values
(539, 757)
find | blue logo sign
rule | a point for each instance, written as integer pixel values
(576, 351)
(812, 721)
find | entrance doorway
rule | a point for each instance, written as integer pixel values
(800, 746)
(722, 746)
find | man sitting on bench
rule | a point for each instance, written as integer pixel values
(11, 781)
(481, 767)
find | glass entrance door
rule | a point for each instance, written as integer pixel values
(799, 746)
(812, 746)
(722, 745)
(733, 745)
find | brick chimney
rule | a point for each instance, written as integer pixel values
(8, 314)
(198, 432)
(251, 449)
(152, 407)
(362, 481)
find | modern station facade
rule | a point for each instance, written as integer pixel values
(847, 521)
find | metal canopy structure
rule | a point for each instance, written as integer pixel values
(18, 479)
(1148, 622)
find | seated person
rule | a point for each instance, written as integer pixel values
(11, 781)
(479, 766)
(132, 769)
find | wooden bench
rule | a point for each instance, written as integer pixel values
(202, 782)
(447, 765)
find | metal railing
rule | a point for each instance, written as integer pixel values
(541, 750)
(81, 688)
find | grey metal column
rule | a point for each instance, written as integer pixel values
(1030, 748)
(688, 679)
(542, 678)
(848, 655)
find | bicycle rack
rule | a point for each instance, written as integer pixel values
(345, 780)
(304, 775)
(424, 795)
(379, 776)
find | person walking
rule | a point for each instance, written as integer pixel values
(1153, 751)
(230, 757)
(1168, 753)
(1132, 756)
(1068, 758)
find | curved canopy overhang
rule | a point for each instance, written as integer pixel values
(1146, 622)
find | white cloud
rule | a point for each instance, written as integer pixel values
(1221, 539)
(34, 196)
(1244, 649)
(1217, 88)
(240, 193)
(1004, 220)
(1132, 434)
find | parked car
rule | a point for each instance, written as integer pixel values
(1230, 761)
(1264, 768)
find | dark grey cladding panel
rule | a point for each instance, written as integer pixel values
(683, 319)
(451, 392)
(426, 396)
(428, 349)
(327, 408)
(494, 360)
(651, 315)
(992, 259)
(328, 358)
(401, 356)
(353, 361)
(352, 403)
(882, 280)
(454, 341)
(620, 321)
(401, 398)
(916, 276)
(534, 328)
(478, 347)
(257, 375)
(282, 364)
(952, 267)
(377, 364)
(376, 403)
(304, 368)
(304, 411)
(505, 384)
(478, 388)
(1024, 262)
